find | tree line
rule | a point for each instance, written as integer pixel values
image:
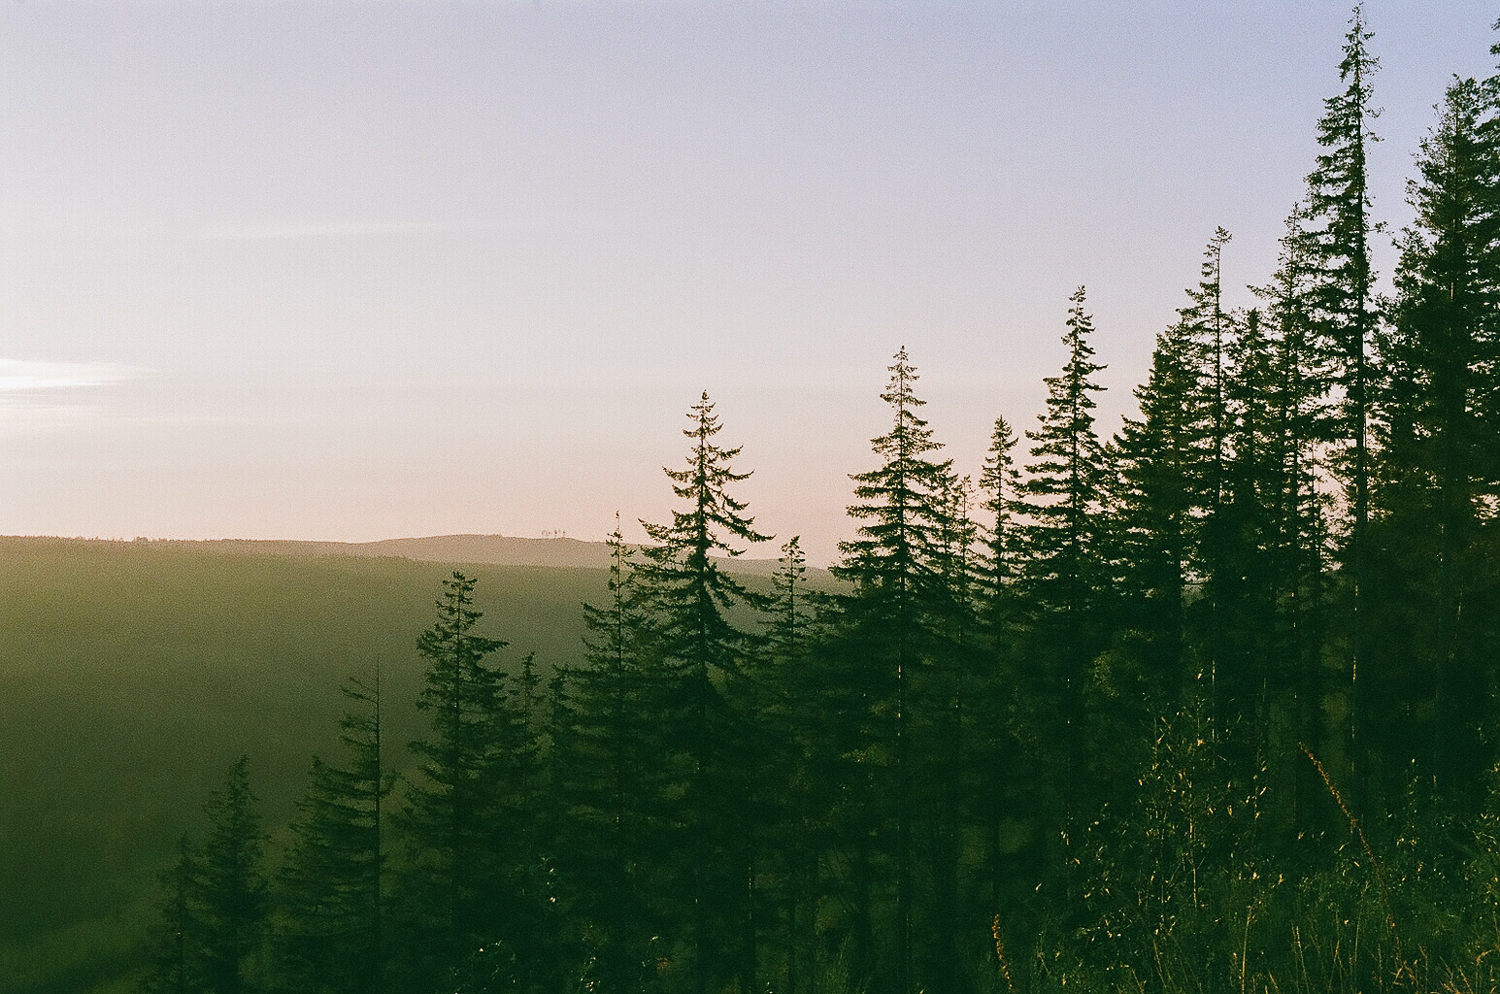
(1208, 704)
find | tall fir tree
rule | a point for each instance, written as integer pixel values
(1063, 552)
(1298, 422)
(467, 820)
(215, 901)
(174, 943)
(700, 647)
(1157, 504)
(999, 486)
(232, 893)
(1341, 302)
(893, 630)
(1439, 472)
(790, 786)
(993, 800)
(329, 933)
(607, 768)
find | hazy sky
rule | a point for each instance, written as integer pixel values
(360, 270)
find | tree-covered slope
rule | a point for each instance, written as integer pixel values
(133, 673)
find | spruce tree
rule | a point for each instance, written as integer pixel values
(1341, 302)
(232, 894)
(993, 799)
(1166, 458)
(1439, 471)
(1062, 548)
(466, 821)
(698, 648)
(606, 773)
(176, 960)
(215, 901)
(893, 629)
(999, 486)
(329, 928)
(1210, 327)
(1298, 422)
(790, 785)
(681, 579)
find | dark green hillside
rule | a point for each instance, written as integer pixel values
(132, 674)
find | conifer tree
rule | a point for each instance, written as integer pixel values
(1439, 424)
(790, 781)
(329, 929)
(232, 894)
(893, 625)
(215, 901)
(993, 799)
(607, 765)
(1298, 426)
(1250, 581)
(176, 964)
(681, 580)
(687, 597)
(789, 609)
(1341, 302)
(466, 820)
(1166, 464)
(1210, 327)
(1062, 549)
(999, 486)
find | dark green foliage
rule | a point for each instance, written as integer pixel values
(789, 785)
(1063, 492)
(176, 966)
(892, 675)
(232, 891)
(1165, 874)
(329, 933)
(999, 485)
(695, 652)
(685, 590)
(607, 768)
(467, 820)
(1165, 460)
(215, 900)
(1438, 474)
(1340, 301)
(1063, 555)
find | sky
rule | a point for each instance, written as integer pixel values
(371, 269)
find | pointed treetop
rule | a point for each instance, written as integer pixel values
(899, 391)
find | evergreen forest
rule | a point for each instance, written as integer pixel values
(1210, 705)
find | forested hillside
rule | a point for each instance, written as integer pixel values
(132, 674)
(1206, 705)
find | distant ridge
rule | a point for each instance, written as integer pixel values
(490, 550)
(484, 550)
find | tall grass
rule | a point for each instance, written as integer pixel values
(1183, 894)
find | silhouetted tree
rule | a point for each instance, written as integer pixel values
(329, 928)
(176, 959)
(1439, 468)
(607, 772)
(467, 820)
(893, 624)
(687, 598)
(1341, 303)
(1063, 556)
(232, 894)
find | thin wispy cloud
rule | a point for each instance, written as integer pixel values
(333, 229)
(33, 374)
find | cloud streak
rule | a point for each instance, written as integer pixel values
(32, 375)
(332, 229)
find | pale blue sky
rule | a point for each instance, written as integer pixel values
(359, 270)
